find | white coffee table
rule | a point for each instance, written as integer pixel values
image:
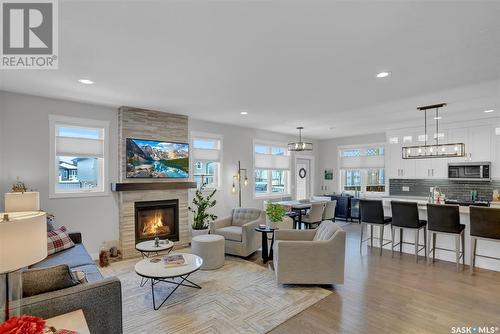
(158, 272)
(148, 247)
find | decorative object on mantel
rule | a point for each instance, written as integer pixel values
(238, 180)
(201, 217)
(300, 145)
(23, 240)
(436, 150)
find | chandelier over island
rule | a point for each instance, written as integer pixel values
(436, 150)
(300, 145)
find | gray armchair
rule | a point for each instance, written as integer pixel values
(239, 230)
(310, 256)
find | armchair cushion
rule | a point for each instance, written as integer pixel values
(233, 233)
(325, 231)
(242, 216)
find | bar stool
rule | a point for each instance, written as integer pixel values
(445, 219)
(372, 213)
(405, 216)
(484, 225)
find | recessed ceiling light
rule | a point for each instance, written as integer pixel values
(489, 110)
(86, 81)
(438, 117)
(244, 113)
(383, 74)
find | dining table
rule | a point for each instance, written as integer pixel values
(300, 207)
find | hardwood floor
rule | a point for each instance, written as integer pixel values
(396, 295)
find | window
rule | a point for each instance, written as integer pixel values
(362, 168)
(206, 159)
(79, 157)
(272, 169)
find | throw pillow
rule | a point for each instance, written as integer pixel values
(58, 240)
(37, 281)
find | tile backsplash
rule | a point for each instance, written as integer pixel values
(451, 188)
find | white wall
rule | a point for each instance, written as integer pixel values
(238, 145)
(25, 142)
(327, 154)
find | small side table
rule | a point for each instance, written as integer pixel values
(148, 247)
(74, 321)
(266, 254)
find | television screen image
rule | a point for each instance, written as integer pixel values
(157, 159)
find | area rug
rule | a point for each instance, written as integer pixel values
(240, 297)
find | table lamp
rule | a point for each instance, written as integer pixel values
(23, 242)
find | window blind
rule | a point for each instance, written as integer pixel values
(80, 147)
(269, 161)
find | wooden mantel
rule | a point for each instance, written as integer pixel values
(137, 186)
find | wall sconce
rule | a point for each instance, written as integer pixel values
(237, 177)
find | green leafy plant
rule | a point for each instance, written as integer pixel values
(203, 203)
(275, 212)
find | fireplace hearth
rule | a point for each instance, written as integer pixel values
(157, 218)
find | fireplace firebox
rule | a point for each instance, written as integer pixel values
(157, 218)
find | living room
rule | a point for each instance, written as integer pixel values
(250, 167)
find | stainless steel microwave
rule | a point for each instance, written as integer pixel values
(470, 171)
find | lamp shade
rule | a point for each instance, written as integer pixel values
(23, 240)
(27, 201)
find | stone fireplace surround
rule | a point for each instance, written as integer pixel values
(152, 125)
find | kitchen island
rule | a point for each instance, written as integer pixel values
(487, 248)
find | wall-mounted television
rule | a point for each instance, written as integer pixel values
(157, 159)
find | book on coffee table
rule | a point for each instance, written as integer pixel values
(174, 260)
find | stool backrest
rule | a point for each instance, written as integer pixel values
(404, 214)
(443, 218)
(372, 211)
(485, 222)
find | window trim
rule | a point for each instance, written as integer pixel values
(210, 136)
(270, 194)
(53, 171)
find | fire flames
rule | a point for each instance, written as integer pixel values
(154, 225)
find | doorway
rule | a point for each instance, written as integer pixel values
(303, 177)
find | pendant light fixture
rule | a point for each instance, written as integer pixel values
(436, 150)
(300, 145)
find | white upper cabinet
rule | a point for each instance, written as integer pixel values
(495, 151)
(479, 143)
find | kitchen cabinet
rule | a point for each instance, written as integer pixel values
(397, 167)
(479, 142)
(495, 152)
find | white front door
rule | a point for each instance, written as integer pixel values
(302, 178)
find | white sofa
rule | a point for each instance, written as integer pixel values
(239, 231)
(310, 256)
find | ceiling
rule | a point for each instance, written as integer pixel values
(286, 63)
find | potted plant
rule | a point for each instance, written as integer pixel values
(201, 217)
(275, 214)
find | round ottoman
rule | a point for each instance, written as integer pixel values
(210, 247)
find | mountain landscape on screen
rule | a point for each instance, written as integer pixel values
(157, 159)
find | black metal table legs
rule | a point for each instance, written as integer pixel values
(183, 278)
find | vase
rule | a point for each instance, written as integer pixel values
(194, 233)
